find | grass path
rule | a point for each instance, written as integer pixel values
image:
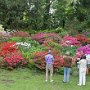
(24, 79)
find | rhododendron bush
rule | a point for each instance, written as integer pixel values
(39, 59)
(84, 49)
(20, 34)
(7, 48)
(40, 37)
(11, 56)
(82, 38)
(69, 40)
(4, 36)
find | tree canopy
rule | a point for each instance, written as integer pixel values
(44, 14)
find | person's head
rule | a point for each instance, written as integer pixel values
(49, 51)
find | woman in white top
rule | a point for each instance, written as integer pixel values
(82, 70)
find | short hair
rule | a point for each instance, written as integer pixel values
(49, 52)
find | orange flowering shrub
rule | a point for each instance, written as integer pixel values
(39, 59)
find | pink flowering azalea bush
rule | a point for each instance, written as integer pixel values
(11, 56)
(69, 40)
(41, 37)
(84, 49)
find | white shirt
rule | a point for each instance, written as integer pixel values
(83, 64)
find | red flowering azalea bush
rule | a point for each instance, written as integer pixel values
(82, 38)
(39, 59)
(14, 60)
(20, 34)
(11, 57)
(7, 48)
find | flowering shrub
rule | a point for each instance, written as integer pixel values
(11, 55)
(7, 48)
(55, 37)
(39, 59)
(69, 40)
(40, 37)
(25, 44)
(82, 38)
(84, 49)
(20, 34)
(13, 60)
(4, 36)
(52, 45)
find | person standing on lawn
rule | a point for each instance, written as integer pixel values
(82, 70)
(49, 59)
(67, 67)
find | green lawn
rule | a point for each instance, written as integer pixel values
(24, 79)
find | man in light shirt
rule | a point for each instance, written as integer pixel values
(49, 59)
(82, 70)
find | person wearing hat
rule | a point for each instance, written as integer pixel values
(67, 67)
(49, 59)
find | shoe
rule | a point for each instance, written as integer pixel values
(83, 84)
(64, 82)
(79, 84)
(51, 80)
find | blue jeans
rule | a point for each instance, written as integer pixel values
(66, 74)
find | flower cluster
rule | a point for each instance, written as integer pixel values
(4, 36)
(55, 37)
(14, 60)
(40, 37)
(11, 55)
(28, 45)
(20, 34)
(69, 40)
(7, 48)
(84, 49)
(39, 59)
(82, 38)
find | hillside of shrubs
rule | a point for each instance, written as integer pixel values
(20, 49)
